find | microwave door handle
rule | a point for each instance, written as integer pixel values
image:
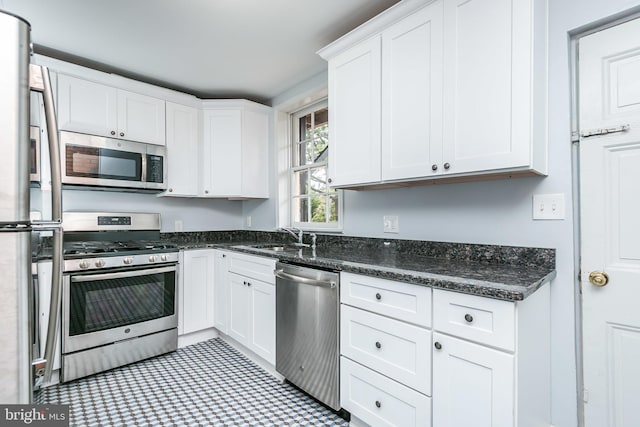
(143, 174)
(39, 80)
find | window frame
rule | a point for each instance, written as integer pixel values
(293, 168)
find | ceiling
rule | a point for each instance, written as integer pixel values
(254, 49)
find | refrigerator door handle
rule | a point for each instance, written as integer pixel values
(40, 81)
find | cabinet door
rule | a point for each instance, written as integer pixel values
(255, 154)
(182, 150)
(487, 84)
(221, 292)
(263, 319)
(239, 308)
(86, 107)
(412, 95)
(141, 118)
(473, 385)
(222, 167)
(354, 115)
(197, 301)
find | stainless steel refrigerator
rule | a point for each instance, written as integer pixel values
(18, 360)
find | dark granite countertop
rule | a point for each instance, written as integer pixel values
(499, 272)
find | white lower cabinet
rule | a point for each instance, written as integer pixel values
(485, 364)
(472, 384)
(385, 348)
(380, 401)
(221, 291)
(196, 304)
(252, 304)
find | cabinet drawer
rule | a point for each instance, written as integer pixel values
(396, 349)
(256, 267)
(380, 401)
(483, 320)
(403, 301)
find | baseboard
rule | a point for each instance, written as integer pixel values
(196, 337)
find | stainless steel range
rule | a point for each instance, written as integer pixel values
(119, 298)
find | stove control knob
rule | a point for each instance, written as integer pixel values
(99, 263)
(83, 265)
(127, 260)
(163, 257)
(153, 258)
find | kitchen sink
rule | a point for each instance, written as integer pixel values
(272, 247)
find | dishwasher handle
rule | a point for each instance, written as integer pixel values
(305, 280)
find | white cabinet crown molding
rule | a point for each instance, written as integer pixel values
(373, 26)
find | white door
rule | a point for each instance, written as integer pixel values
(87, 107)
(354, 114)
(473, 385)
(609, 97)
(141, 118)
(197, 301)
(182, 150)
(263, 319)
(239, 315)
(412, 95)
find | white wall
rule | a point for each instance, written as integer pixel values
(195, 214)
(499, 212)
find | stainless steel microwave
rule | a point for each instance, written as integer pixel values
(97, 161)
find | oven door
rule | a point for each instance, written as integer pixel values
(103, 308)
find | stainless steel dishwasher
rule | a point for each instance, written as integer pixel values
(307, 330)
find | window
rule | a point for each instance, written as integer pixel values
(314, 205)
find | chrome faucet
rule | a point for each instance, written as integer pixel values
(299, 235)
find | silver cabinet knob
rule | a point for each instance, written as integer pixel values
(121, 133)
(171, 190)
(434, 167)
(447, 166)
(468, 318)
(378, 404)
(378, 345)
(329, 180)
(206, 191)
(113, 132)
(378, 296)
(437, 345)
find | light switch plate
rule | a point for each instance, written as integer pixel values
(391, 223)
(548, 206)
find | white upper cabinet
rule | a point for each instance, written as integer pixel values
(97, 109)
(182, 150)
(354, 114)
(412, 95)
(235, 151)
(437, 89)
(495, 85)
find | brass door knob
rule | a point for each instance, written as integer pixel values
(598, 278)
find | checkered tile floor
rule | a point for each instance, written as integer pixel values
(206, 384)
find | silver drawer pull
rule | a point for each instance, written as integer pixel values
(468, 318)
(378, 296)
(378, 404)
(378, 345)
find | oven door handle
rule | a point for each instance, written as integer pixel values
(122, 274)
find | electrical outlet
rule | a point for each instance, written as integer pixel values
(177, 225)
(249, 221)
(391, 223)
(548, 206)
